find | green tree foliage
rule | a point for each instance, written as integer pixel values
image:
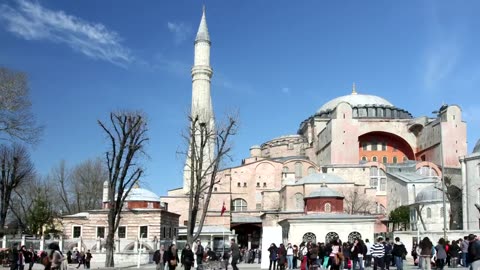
(400, 216)
(39, 215)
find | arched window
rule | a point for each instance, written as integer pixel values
(299, 201)
(309, 237)
(364, 159)
(374, 146)
(395, 160)
(311, 170)
(378, 179)
(429, 212)
(374, 159)
(428, 172)
(364, 146)
(327, 208)
(331, 236)
(384, 146)
(285, 169)
(385, 160)
(298, 170)
(354, 236)
(239, 205)
(405, 159)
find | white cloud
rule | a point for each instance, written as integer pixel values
(31, 21)
(441, 60)
(180, 31)
(285, 90)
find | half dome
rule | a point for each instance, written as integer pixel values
(476, 149)
(355, 100)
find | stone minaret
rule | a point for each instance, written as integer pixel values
(201, 99)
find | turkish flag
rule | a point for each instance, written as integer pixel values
(223, 209)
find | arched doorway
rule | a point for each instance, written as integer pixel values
(331, 236)
(309, 237)
(353, 236)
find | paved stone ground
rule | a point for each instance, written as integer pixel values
(242, 266)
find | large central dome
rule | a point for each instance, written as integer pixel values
(355, 100)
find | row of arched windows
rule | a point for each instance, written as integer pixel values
(384, 159)
(299, 170)
(311, 237)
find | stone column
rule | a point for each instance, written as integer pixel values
(211, 242)
(42, 242)
(80, 244)
(4, 241)
(135, 245)
(155, 243)
(60, 243)
(465, 215)
(117, 245)
(23, 240)
(99, 244)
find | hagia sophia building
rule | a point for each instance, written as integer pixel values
(350, 163)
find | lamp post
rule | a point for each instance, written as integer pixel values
(443, 174)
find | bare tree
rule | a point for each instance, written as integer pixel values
(127, 133)
(357, 202)
(15, 168)
(16, 119)
(60, 179)
(203, 166)
(88, 178)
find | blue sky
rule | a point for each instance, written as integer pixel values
(275, 62)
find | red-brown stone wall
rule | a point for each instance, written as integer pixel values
(395, 147)
(318, 204)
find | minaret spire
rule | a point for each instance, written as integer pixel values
(354, 89)
(202, 107)
(202, 33)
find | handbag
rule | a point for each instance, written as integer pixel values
(173, 262)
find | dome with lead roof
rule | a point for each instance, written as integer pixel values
(429, 194)
(141, 194)
(476, 149)
(355, 100)
(325, 192)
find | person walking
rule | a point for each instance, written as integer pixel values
(235, 254)
(199, 252)
(32, 258)
(295, 256)
(171, 257)
(158, 258)
(399, 252)
(187, 258)
(282, 257)
(88, 259)
(81, 259)
(388, 253)
(378, 254)
(464, 246)
(426, 248)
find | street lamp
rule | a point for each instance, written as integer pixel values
(443, 172)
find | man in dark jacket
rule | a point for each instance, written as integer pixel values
(200, 252)
(473, 257)
(399, 252)
(235, 254)
(13, 257)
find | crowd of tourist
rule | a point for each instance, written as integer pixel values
(382, 254)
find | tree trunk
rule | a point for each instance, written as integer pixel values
(110, 243)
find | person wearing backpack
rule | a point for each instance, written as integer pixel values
(399, 252)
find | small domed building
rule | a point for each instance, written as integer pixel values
(428, 209)
(145, 224)
(324, 219)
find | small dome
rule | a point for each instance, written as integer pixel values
(476, 149)
(355, 100)
(429, 194)
(255, 147)
(325, 192)
(141, 194)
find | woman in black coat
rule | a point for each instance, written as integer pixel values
(187, 258)
(171, 257)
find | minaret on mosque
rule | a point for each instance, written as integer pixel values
(201, 98)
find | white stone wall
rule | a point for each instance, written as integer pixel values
(271, 234)
(320, 229)
(471, 192)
